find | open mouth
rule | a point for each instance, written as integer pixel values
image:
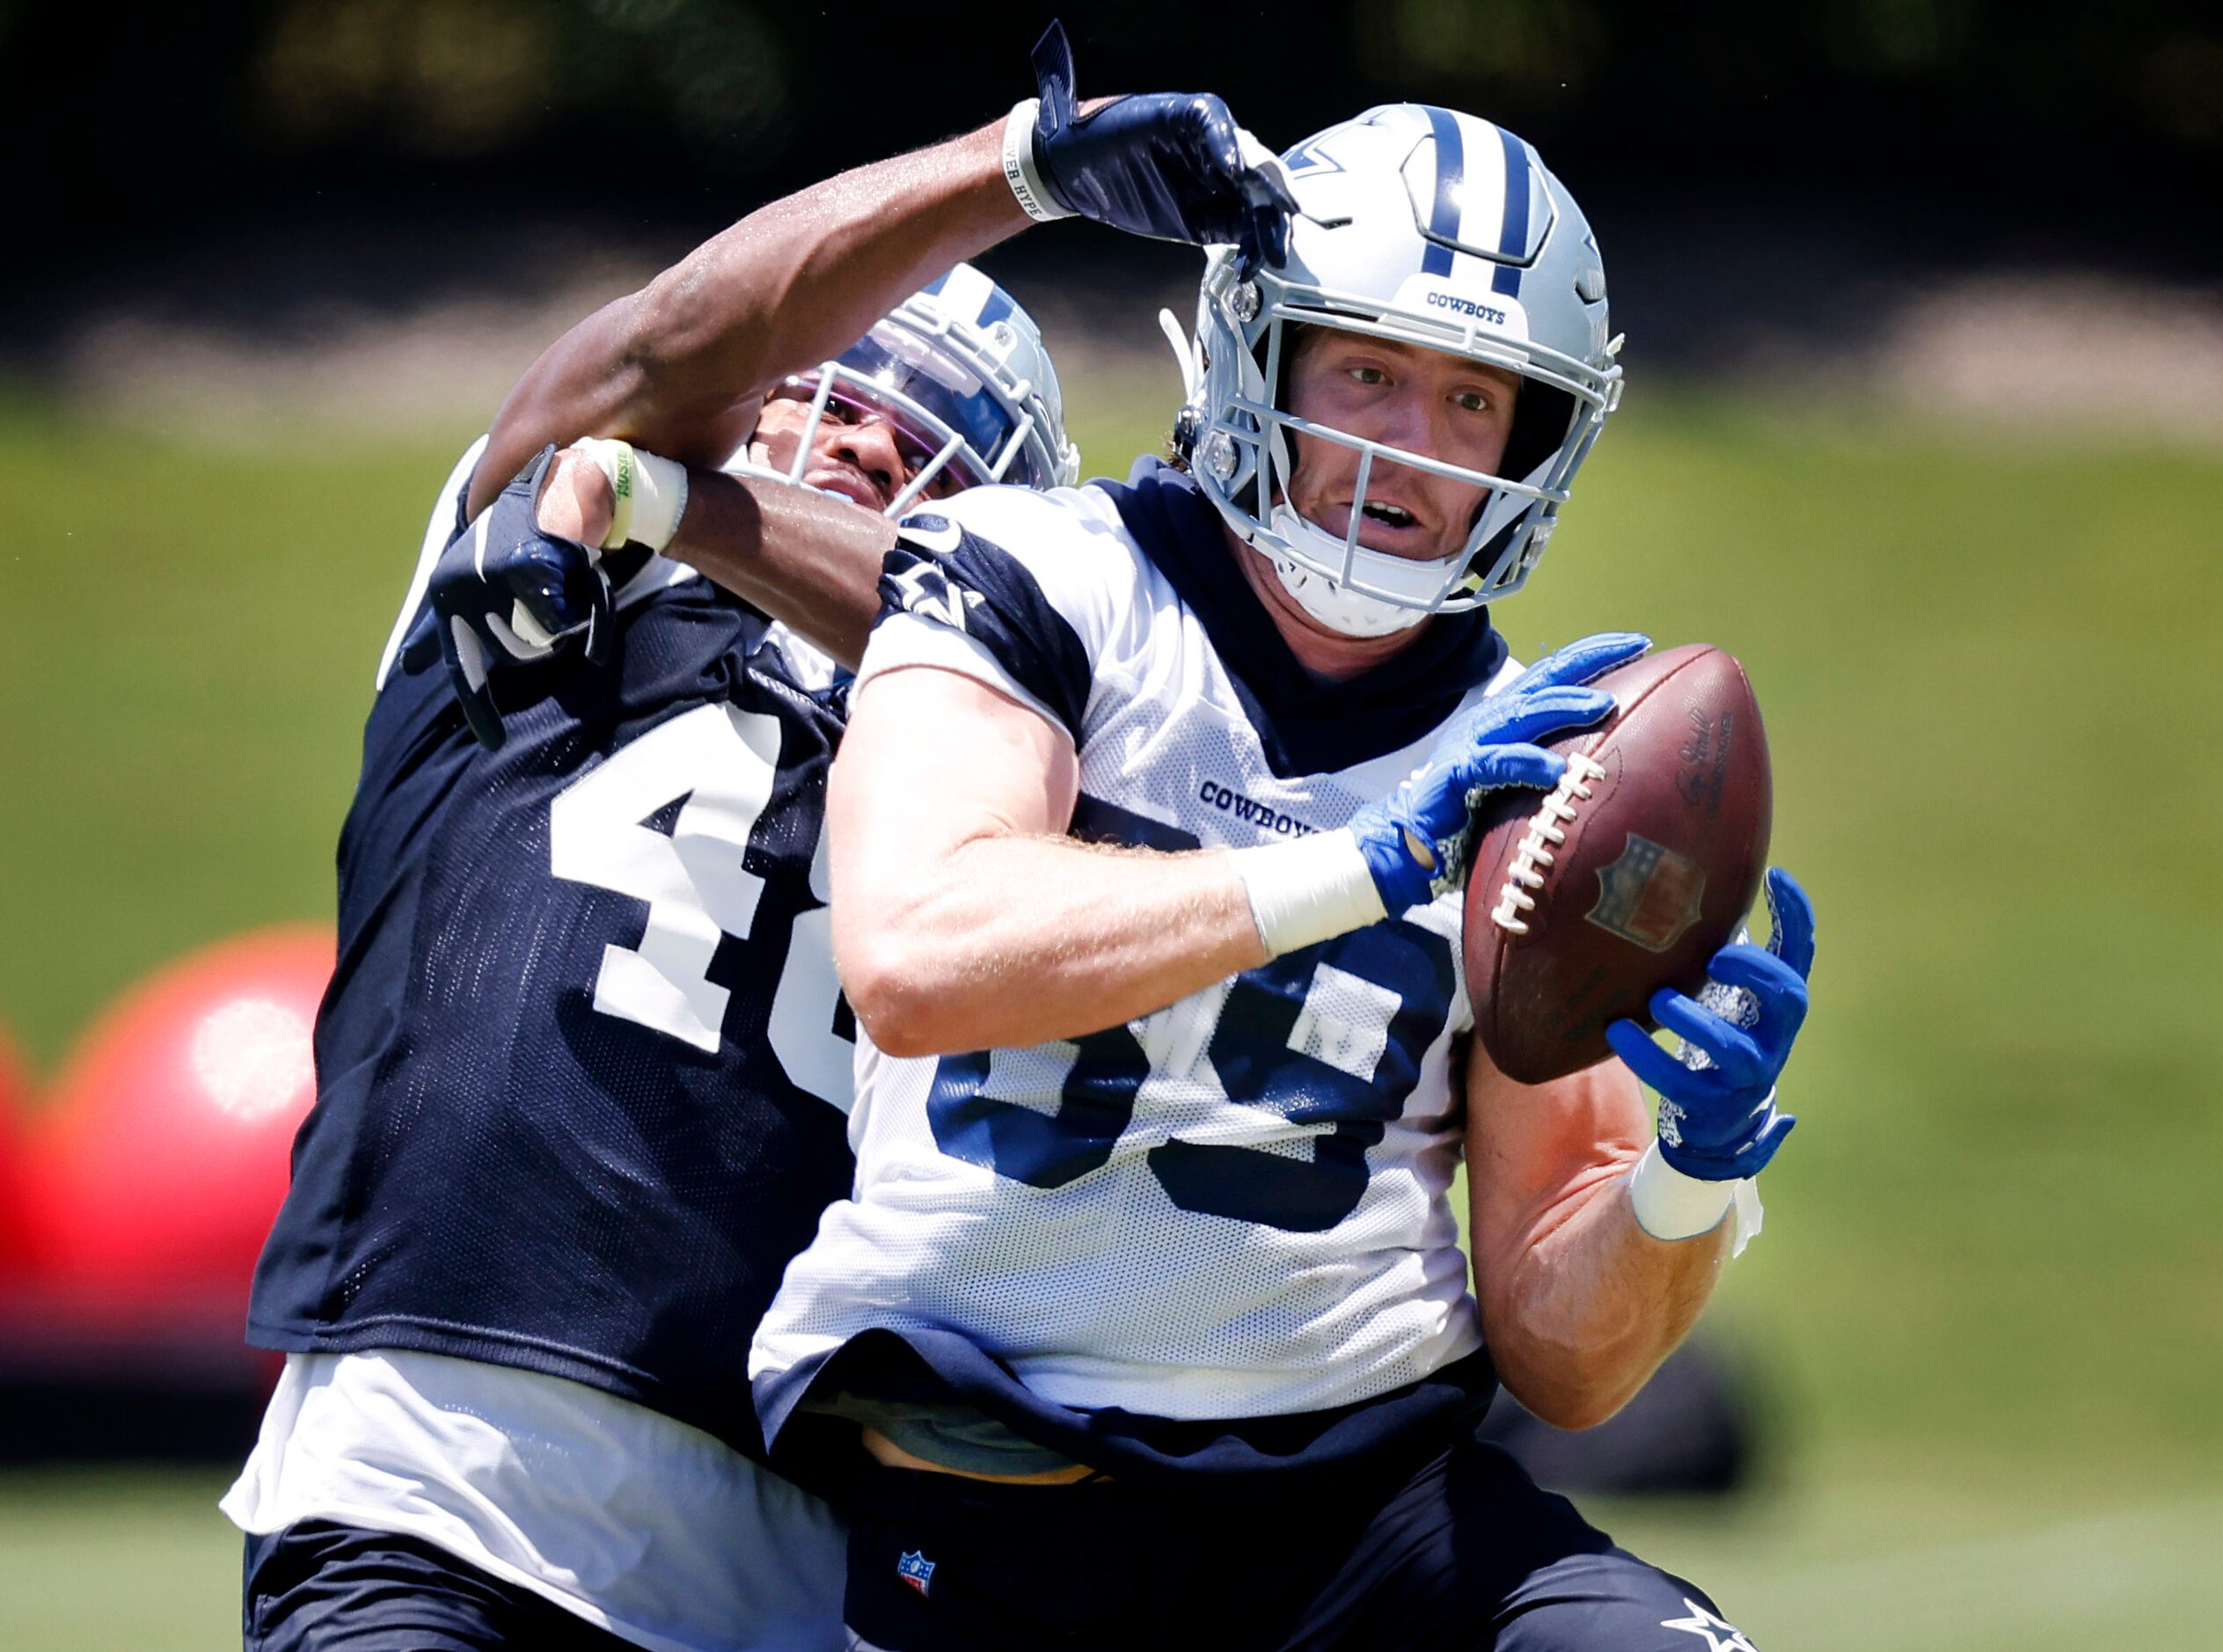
(1386, 526)
(849, 484)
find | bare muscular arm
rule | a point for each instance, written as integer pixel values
(802, 557)
(676, 367)
(1579, 1304)
(963, 921)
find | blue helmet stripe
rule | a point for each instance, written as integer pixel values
(998, 305)
(939, 283)
(1512, 240)
(1450, 172)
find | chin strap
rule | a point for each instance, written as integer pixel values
(1338, 607)
(1343, 610)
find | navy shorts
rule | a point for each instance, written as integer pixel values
(1466, 1552)
(318, 1587)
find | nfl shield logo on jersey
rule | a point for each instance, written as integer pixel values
(915, 1569)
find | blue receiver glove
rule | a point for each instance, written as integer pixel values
(505, 593)
(1415, 839)
(1168, 164)
(1718, 1121)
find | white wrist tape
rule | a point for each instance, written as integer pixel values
(1670, 1205)
(1019, 171)
(651, 491)
(1309, 889)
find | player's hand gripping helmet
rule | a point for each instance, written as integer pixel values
(1429, 228)
(960, 371)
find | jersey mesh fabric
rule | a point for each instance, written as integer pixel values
(1235, 1207)
(504, 1163)
(636, 1523)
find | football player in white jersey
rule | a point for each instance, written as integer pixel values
(576, 1064)
(1147, 1317)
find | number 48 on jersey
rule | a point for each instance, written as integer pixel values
(718, 763)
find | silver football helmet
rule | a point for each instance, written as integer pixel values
(1429, 228)
(960, 370)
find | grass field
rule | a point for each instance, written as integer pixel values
(1989, 1291)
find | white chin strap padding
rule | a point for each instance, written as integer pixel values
(1343, 611)
(1336, 606)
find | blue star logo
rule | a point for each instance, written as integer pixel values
(1719, 1634)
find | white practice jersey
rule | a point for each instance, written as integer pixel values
(631, 1520)
(1235, 1207)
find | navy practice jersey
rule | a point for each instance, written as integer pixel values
(583, 1068)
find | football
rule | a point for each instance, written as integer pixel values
(1584, 901)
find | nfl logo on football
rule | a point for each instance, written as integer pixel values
(915, 1569)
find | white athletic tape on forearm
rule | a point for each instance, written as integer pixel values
(1670, 1205)
(1019, 171)
(651, 492)
(1308, 890)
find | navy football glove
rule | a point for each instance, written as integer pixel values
(504, 593)
(1415, 839)
(1168, 164)
(1718, 1121)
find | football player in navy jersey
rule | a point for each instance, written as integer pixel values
(584, 1064)
(1146, 1320)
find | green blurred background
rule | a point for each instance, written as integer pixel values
(1959, 513)
(1986, 1303)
